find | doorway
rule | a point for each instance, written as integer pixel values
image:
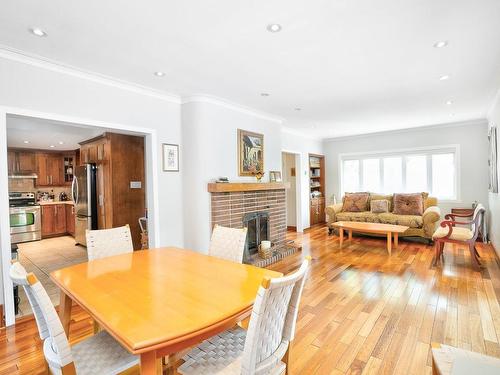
(290, 173)
(58, 248)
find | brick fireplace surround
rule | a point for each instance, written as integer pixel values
(230, 202)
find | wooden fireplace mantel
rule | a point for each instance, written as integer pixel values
(246, 186)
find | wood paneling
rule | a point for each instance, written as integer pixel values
(360, 312)
(54, 220)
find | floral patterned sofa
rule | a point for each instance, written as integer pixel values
(419, 225)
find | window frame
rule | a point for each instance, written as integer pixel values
(404, 153)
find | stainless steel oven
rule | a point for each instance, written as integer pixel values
(25, 218)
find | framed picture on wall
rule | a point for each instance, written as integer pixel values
(170, 157)
(275, 176)
(250, 153)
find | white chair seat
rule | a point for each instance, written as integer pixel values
(98, 354)
(458, 233)
(220, 355)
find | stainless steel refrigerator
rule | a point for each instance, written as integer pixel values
(84, 193)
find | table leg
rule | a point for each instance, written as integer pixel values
(341, 236)
(150, 365)
(389, 243)
(350, 236)
(396, 240)
(65, 311)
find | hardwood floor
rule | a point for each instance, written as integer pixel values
(362, 312)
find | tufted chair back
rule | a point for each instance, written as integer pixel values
(108, 242)
(228, 243)
(55, 347)
(272, 323)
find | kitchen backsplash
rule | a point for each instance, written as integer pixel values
(28, 184)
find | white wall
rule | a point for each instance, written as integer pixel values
(288, 162)
(209, 133)
(472, 138)
(303, 146)
(494, 199)
(32, 87)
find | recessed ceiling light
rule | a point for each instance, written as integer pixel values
(441, 44)
(298, 109)
(444, 77)
(264, 94)
(452, 114)
(38, 32)
(52, 146)
(61, 142)
(159, 74)
(449, 102)
(26, 141)
(274, 27)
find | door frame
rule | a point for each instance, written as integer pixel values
(151, 181)
(298, 188)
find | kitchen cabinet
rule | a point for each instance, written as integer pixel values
(70, 219)
(49, 168)
(119, 160)
(21, 161)
(53, 220)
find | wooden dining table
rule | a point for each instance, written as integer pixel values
(158, 302)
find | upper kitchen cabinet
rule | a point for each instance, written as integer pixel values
(94, 150)
(49, 168)
(21, 161)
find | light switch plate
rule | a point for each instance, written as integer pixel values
(135, 184)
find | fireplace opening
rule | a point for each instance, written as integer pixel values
(257, 224)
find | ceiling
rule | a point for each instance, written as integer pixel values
(41, 134)
(351, 66)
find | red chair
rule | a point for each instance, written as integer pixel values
(448, 232)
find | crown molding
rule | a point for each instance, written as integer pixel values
(474, 122)
(204, 98)
(13, 54)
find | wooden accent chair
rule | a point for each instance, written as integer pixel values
(228, 243)
(98, 354)
(108, 242)
(263, 349)
(448, 232)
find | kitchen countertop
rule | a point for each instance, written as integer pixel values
(48, 203)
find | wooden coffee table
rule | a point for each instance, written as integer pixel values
(388, 229)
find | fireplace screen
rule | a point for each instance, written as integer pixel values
(258, 231)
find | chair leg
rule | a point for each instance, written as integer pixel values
(436, 253)
(475, 261)
(477, 253)
(441, 250)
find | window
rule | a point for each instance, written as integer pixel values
(431, 170)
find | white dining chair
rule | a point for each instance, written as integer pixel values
(228, 243)
(104, 243)
(261, 349)
(98, 354)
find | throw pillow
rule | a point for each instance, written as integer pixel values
(355, 202)
(379, 206)
(387, 197)
(408, 204)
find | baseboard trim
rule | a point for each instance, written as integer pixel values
(291, 228)
(2, 317)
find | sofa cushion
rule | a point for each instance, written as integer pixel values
(355, 202)
(378, 206)
(365, 216)
(412, 221)
(458, 233)
(388, 197)
(408, 204)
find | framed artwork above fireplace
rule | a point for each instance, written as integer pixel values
(250, 153)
